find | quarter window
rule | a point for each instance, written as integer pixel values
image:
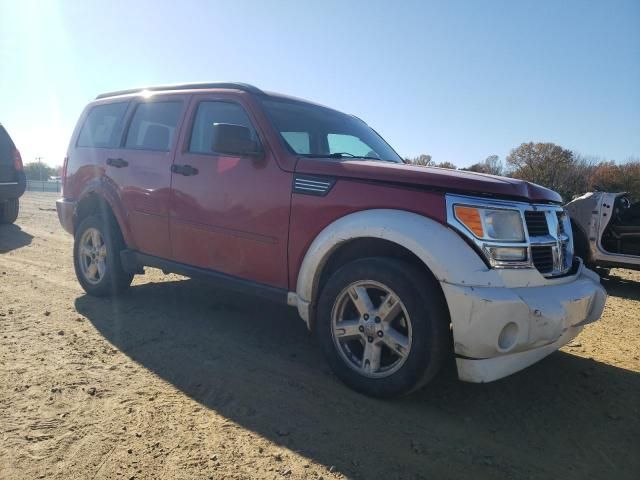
(103, 126)
(209, 113)
(298, 141)
(153, 126)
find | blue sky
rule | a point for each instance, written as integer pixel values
(458, 80)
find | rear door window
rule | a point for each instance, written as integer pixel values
(153, 126)
(212, 112)
(103, 126)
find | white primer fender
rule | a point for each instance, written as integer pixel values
(441, 249)
(502, 319)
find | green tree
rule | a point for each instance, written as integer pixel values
(491, 165)
(546, 164)
(422, 160)
(446, 165)
(613, 177)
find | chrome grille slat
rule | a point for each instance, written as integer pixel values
(561, 219)
(550, 240)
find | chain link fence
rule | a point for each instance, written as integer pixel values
(44, 186)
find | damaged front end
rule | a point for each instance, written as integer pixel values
(537, 295)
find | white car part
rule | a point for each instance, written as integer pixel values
(482, 302)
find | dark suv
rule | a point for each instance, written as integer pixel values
(394, 267)
(12, 179)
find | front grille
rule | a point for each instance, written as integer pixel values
(536, 223)
(542, 258)
(548, 239)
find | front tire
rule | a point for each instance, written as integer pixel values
(383, 325)
(9, 211)
(96, 257)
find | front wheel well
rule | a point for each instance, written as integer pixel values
(366, 247)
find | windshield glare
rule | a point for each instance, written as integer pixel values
(314, 131)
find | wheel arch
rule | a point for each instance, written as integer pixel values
(434, 248)
(98, 199)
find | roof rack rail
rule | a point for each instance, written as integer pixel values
(245, 87)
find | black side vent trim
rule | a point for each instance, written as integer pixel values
(312, 185)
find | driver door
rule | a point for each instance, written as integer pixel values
(229, 213)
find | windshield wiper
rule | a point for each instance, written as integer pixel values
(341, 155)
(372, 158)
(329, 155)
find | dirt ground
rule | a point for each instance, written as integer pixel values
(174, 380)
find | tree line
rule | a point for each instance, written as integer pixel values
(555, 167)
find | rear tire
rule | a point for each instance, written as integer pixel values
(375, 345)
(96, 257)
(9, 211)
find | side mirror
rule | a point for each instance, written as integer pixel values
(233, 139)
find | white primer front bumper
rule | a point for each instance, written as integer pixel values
(540, 319)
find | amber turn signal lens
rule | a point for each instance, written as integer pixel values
(470, 218)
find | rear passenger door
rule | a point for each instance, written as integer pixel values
(141, 169)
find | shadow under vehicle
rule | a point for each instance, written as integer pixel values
(267, 377)
(13, 237)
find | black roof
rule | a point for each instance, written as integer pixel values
(245, 87)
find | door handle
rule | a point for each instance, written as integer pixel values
(186, 170)
(117, 162)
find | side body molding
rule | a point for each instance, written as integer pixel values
(441, 249)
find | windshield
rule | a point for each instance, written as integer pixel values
(314, 131)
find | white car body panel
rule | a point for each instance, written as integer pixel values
(592, 212)
(547, 312)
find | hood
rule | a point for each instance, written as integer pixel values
(444, 179)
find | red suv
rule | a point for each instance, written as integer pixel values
(394, 267)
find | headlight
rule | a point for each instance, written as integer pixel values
(491, 224)
(496, 229)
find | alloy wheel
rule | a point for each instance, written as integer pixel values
(92, 255)
(371, 329)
